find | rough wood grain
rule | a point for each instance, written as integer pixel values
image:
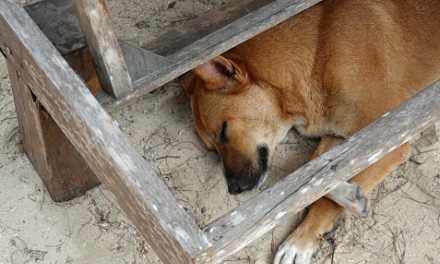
(58, 21)
(136, 185)
(215, 44)
(140, 192)
(242, 20)
(211, 21)
(310, 182)
(62, 169)
(104, 47)
(142, 62)
(64, 31)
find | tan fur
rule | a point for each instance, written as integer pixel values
(328, 72)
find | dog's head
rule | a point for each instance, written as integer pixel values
(237, 115)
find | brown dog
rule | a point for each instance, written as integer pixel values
(327, 72)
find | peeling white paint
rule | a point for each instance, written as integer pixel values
(123, 160)
(182, 233)
(116, 124)
(279, 215)
(304, 190)
(238, 219)
(374, 156)
(318, 182)
(404, 134)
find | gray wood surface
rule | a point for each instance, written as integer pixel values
(138, 188)
(209, 22)
(299, 189)
(63, 28)
(200, 41)
(64, 31)
(103, 45)
(62, 169)
(135, 183)
(215, 44)
(142, 62)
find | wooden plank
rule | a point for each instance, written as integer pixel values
(140, 192)
(213, 20)
(29, 124)
(299, 189)
(62, 27)
(259, 15)
(250, 220)
(63, 171)
(215, 44)
(64, 31)
(142, 62)
(104, 47)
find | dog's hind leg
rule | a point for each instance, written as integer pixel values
(299, 246)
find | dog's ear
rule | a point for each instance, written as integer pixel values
(188, 83)
(222, 73)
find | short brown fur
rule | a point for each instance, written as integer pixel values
(328, 72)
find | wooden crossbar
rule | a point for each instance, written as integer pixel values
(321, 175)
(243, 20)
(140, 191)
(137, 186)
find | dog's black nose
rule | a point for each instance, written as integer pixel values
(233, 186)
(241, 180)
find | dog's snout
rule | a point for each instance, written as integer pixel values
(244, 174)
(263, 157)
(235, 187)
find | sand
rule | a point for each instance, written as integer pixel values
(404, 227)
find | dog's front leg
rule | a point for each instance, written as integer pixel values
(300, 246)
(348, 194)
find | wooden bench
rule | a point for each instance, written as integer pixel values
(62, 101)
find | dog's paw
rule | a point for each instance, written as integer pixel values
(290, 253)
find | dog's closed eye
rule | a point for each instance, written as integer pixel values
(223, 133)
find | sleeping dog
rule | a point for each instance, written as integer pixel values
(327, 72)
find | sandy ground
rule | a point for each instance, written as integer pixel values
(405, 226)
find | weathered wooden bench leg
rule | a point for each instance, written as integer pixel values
(104, 47)
(60, 166)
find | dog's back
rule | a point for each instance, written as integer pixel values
(363, 58)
